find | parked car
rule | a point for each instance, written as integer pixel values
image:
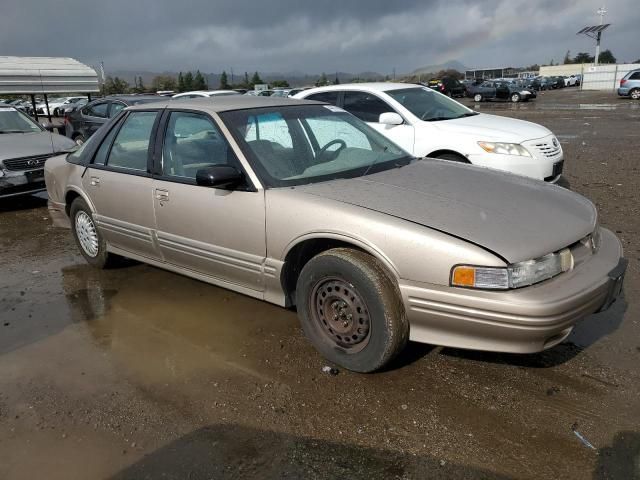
(429, 124)
(499, 91)
(55, 104)
(203, 93)
(449, 86)
(71, 107)
(302, 204)
(630, 85)
(24, 148)
(572, 80)
(295, 91)
(81, 124)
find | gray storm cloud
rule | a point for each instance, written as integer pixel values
(310, 36)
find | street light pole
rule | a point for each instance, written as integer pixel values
(602, 12)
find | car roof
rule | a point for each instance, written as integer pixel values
(370, 86)
(226, 103)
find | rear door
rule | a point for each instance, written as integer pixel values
(94, 116)
(119, 184)
(368, 107)
(503, 92)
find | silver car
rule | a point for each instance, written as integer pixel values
(302, 204)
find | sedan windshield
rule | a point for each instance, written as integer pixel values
(428, 105)
(305, 144)
(13, 121)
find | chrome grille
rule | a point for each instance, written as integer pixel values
(25, 163)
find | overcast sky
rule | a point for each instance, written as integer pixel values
(311, 35)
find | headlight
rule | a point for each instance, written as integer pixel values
(515, 275)
(505, 148)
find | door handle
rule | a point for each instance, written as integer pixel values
(95, 182)
(162, 195)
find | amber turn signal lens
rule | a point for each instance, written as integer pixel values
(464, 277)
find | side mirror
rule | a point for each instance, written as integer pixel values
(390, 118)
(219, 176)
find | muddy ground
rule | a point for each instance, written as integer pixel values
(138, 373)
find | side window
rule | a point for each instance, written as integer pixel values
(116, 108)
(96, 110)
(329, 97)
(328, 129)
(365, 106)
(131, 146)
(192, 142)
(100, 157)
(635, 76)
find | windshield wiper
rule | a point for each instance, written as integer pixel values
(437, 119)
(468, 114)
(12, 131)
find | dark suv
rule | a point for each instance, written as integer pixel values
(84, 122)
(447, 85)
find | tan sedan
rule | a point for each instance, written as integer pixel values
(300, 203)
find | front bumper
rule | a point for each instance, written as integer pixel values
(58, 214)
(21, 182)
(546, 169)
(525, 320)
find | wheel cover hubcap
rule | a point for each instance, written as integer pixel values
(87, 234)
(341, 313)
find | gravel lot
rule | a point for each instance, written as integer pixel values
(138, 373)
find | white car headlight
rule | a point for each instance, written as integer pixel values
(505, 148)
(515, 275)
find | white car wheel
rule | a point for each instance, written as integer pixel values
(477, 97)
(635, 94)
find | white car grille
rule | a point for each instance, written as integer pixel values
(547, 148)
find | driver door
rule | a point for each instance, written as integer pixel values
(215, 232)
(503, 92)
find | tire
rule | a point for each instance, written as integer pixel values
(635, 93)
(515, 97)
(454, 157)
(83, 227)
(332, 291)
(79, 139)
(477, 97)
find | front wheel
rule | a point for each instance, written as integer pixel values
(515, 97)
(90, 243)
(351, 310)
(477, 97)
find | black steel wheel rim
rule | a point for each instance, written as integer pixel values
(340, 312)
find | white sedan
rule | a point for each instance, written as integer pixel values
(205, 93)
(429, 124)
(57, 105)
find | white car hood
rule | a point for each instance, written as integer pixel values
(494, 127)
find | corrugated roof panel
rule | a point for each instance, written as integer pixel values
(25, 75)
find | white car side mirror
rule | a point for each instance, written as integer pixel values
(390, 118)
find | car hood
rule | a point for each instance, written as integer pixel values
(494, 127)
(515, 217)
(18, 145)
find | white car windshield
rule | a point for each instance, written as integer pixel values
(12, 121)
(428, 105)
(304, 144)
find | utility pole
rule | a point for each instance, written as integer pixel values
(232, 80)
(602, 12)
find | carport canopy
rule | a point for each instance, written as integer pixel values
(44, 75)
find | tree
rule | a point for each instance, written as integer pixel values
(199, 82)
(567, 58)
(164, 82)
(139, 85)
(280, 84)
(606, 57)
(256, 80)
(247, 84)
(181, 87)
(552, 63)
(583, 57)
(322, 81)
(224, 81)
(337, 80)
(188, 82)
(114, 85)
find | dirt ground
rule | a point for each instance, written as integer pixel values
(137, 373)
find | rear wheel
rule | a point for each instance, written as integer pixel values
(351, 310)
(454, 157)
(477, 97)
(90, 243)
(635, 93)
